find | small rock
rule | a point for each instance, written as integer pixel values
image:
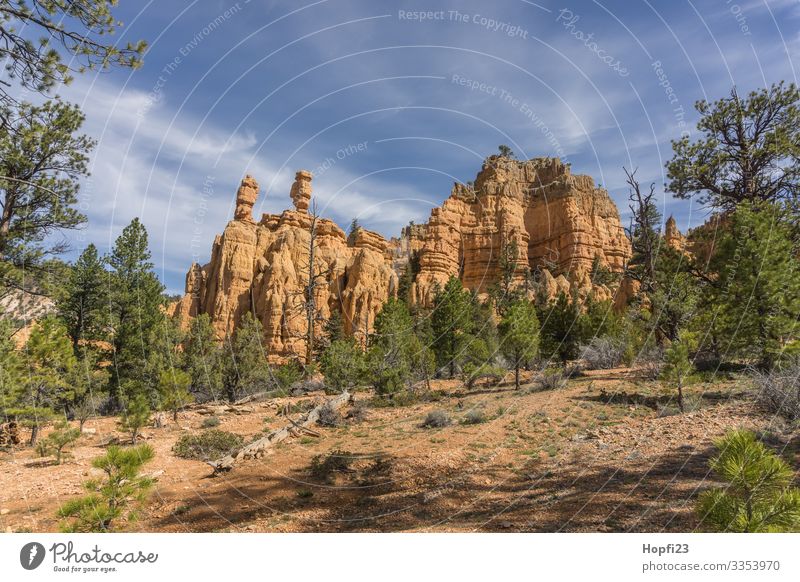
(89, 431)
(506, 524)
(4, 511)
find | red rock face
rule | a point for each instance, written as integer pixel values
(559, 221)
(263, 268)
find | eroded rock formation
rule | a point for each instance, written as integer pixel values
(559, 221)
(263, 268)
(561, 224)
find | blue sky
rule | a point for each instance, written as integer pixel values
(388, 109)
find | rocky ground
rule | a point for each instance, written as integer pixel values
(606, 453)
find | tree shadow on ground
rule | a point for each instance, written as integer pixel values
(656, 401)
(380, 494)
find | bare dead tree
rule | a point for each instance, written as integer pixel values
(311, 285)
(643, 232)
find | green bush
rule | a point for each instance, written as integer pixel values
(436, 419)
(758, 495)
(208, 445)
(472, 373)
(551, 380)
(210, 422)
(474, 416)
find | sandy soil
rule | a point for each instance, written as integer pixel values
(606, 453)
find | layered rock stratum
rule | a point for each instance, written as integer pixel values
(562, 224)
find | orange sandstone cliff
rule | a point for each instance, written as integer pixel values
(263, 267)
(559, 221)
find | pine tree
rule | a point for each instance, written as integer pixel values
(203, 359)
(561, 327)
(173, 388)
(48, 362)
(343, 365)
(59, 438)
(136, 303)
(505, 151)
(505, 292)
(758, 495)
(519, 335)
(667, 288)
(393, 349)
(352, 233)
(136, 414)
(677, 366)
(451, 320)
(113, 499)
(42, 161)
(748, 150)
(85, 300)
(73, 42)
(756, 288)
(11, 369)
(246, 368)
(407, 278)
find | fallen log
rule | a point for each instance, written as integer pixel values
(257, 448)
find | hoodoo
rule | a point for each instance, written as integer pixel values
(264, 268)
(561, 223)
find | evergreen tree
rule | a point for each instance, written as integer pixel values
(393, 349)
(42, 161)
(343, 365)
(677, 366)
(756, 287)
(61, 437)
(668, 290)
(352, 233)
(451, 321)
(136, 414)
(48, 362)
(519, 335)
(749, 150)
(203, 358)
(246, 368)
(167, 352)
(85, 301)
(643, 234)
(332, 331)
(173, 388)
(11, 369)
(407, 278)
(505, 151)
(69, 39)
(505, 292)
(758, 495)
(136, 305)
(113, 499)
(561, 327)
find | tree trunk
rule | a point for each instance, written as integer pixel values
(516, 376)
(34, 434)
(680, 396)
(257, 448)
